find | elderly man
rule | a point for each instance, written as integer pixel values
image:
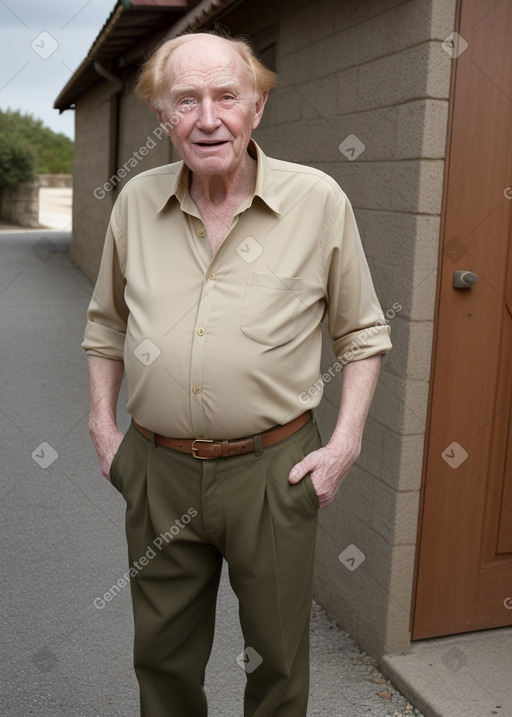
(216, 275)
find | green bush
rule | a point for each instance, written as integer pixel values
(16, 163)
(52, 153)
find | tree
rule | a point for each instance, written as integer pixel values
(16, 163)
(52, 153)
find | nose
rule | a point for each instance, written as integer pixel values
(208, 119)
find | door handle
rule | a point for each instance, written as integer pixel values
(464, 279)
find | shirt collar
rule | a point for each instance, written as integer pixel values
(265, 190)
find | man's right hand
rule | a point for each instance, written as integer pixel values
(106, 442)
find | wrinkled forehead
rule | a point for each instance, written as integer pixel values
(208, 63)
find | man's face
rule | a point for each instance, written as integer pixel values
(212, 107)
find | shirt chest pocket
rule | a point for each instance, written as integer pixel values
(270, 308)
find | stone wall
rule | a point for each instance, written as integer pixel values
(20, 205)
(60, 181)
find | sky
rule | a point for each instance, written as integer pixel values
(42, 43)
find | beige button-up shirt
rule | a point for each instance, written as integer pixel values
(230, 346)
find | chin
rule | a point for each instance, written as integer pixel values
(212, 165)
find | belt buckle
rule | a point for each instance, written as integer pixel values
(195, 449)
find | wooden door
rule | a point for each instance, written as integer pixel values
(464, 557)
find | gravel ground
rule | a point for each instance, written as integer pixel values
(346, 682)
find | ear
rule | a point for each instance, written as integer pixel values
(260, 106)
(159, 114)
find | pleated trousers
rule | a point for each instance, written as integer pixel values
(183, 516)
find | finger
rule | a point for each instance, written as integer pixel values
(299, 470)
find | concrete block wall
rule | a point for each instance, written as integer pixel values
(375, 70)
(141, 138)
(90, 171)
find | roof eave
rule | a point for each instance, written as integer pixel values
(71, 91)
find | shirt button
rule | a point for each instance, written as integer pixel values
(211, 275)
(197, 389)
(201, 331)
(201, 233)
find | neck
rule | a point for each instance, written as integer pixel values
(218, 188)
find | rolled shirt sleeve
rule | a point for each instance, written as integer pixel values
(107, 315)
(356, 322)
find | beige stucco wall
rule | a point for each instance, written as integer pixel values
(375, 70)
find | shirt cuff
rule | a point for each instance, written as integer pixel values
(103, 341)
(363, 344)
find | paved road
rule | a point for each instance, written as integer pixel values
(55, 207)
(61, 528)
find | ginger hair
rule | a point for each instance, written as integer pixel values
(153, 78)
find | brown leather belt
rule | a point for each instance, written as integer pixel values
(205, 449)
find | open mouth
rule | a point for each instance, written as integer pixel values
(211, 144)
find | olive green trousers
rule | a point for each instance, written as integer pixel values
(185, 515)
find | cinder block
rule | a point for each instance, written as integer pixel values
(90, 170)
(397, 635)
(141, 139)
(398, 357)
(435, 120)
(439, 67)
(400, 403)
(256, 18)
(389, 186)
(372, 450)
(420, 350)
(411, 462)
(377, 130)
(412, 349)
(424, 194)
(389, 238)
(402, 461)
(402, 251)
(442, 18)
(412, 74)
(318, 99)
(357, 496)
(284, 105)
(308, 24)
(318, 52)
(431, 187)
(424, 278)
(395, 514)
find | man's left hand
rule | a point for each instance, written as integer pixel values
(328, 467)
